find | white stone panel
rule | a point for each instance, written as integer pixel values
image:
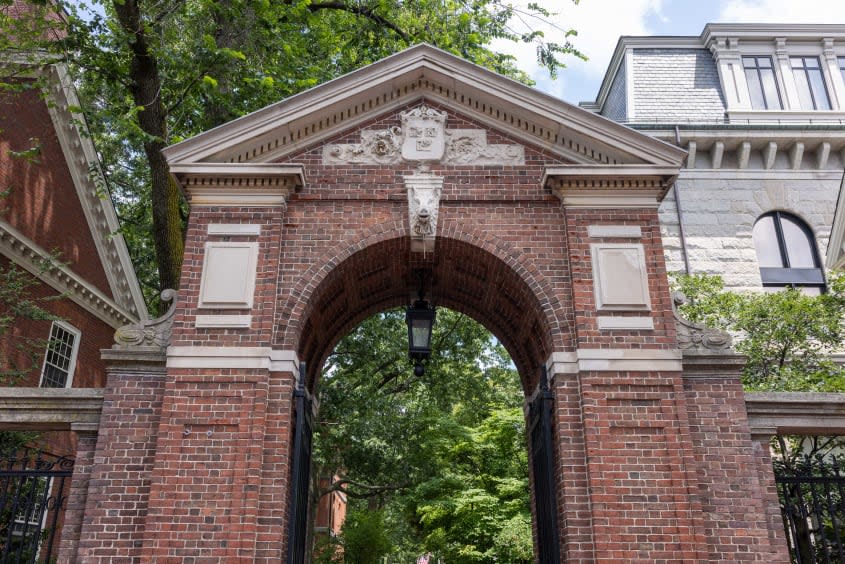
(223, 321)
(234, 229)
(621, 231)
(609, 323)
(228, 275)
(620, 277)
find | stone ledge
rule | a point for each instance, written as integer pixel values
(50, 409)
(799, 413)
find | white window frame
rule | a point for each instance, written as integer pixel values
(77, 337)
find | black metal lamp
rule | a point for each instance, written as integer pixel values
(420, 319)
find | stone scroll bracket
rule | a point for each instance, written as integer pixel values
(424, 189)
(149, 333)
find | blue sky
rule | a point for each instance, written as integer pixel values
(600, 23)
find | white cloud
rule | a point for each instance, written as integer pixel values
(599, 24)
(783, 11)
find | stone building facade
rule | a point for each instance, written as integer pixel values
(760, 109)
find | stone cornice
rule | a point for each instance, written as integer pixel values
(767, 32)
(92, 192)
(50, 409)
(238, 184)
(609, 186)
(26, 253)
(601, 360)
(800, 413)
(264, 358)
(422, 72)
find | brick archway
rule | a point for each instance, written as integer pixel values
(306, 218)
(470, 278)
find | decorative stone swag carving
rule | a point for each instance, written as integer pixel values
(423, 137)
(149, 332)
(697, 336)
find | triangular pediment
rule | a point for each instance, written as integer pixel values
(421, 73)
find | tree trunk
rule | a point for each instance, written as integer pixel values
(152, 119)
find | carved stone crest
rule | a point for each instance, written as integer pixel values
(423, 137)
(424, 129)
(423, 203)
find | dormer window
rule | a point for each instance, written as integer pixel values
(810, 83)
(786, 251)
(762, 85)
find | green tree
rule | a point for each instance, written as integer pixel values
(443, 455)
(153, 73)
(787, 336)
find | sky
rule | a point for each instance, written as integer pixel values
(599, 24)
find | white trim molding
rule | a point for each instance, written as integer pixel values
(615, 322)
(423, 72)
(233, 357)
(615, 231)
(614, 360)
(234, 229)
(92, 193)
(24, 252)
(238, 184)
(223, 321)
(610, 186)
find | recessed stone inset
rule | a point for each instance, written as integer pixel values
(620, 278)
(228, 275)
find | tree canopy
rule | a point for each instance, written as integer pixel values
(436, 462)
(152, 73)
(787, 336)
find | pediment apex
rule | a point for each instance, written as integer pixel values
(423, 72)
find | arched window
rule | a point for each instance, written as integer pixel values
(787, 252)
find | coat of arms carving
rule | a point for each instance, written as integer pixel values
(425, 134)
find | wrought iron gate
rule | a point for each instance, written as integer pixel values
(542, 461)
(300, 478)
(812, 502)
(33, 491)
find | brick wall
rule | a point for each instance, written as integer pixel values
(42, 202)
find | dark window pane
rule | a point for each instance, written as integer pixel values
(762, 87)
(810, 83)
(766, 243)
(804, 94)
(819, 91)
(799, 247)
(54, 377)
(842, 67)
(755, 90)
(771, 90)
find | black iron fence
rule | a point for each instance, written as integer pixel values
(33, 493)
(811, 488)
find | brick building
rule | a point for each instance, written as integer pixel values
(760, 109)
(58, 226)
